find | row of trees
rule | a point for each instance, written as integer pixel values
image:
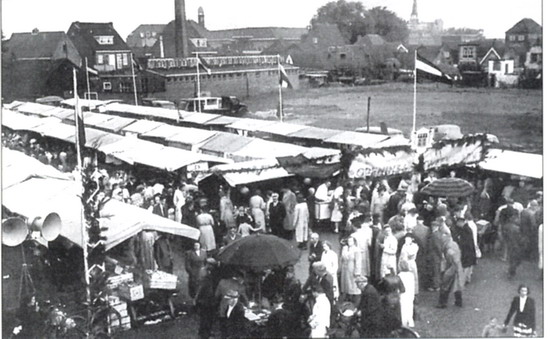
(354, 21)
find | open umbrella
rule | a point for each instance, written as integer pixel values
(259, 252)
(449, 187)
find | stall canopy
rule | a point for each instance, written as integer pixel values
(518, 163)
(18, 167)
(250, 125)
(87, 103)
(263, 149)
(42, 190)
(62, 113)
(17, 121)
(163, 132)
(143, 111)
(13, 104)
(222, 120)
(141, 126)
(132, 150)
(356, 138)
(115, 124)
(96, 138)
(57, 130)
(314, 133)
(223, 144)
(188, 137)
(280, 128)
(242, 173)
(35, 109)
(200, 118)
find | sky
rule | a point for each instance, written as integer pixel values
(495, 17)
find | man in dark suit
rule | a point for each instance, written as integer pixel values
(232, 320)
(320, 277)
(277, 214)
(159, 208)
(163, 253)
(315, 249)
(370, 307)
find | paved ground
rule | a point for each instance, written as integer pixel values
(488, 295)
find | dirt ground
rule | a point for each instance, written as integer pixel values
(513, 115)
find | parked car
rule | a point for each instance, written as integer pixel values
(227, 105)
(158, 103)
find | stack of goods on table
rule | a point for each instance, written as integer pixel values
(160, 280)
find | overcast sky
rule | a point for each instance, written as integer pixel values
(493, 16)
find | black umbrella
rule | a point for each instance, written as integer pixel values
(449, 187)
(260, 252)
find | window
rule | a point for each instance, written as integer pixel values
(521, 37)
(536, 57)
(422, 139)
(104, 39)
(126, 87)
(111, 59)
(507, 69)
(141, 35)
(343, 56)
(106, 86)
(468, 52)
(125, 59)
(512, 38)
(153, 34)
(496, 65)
(118, 60)
(315, 40)
(99, 59)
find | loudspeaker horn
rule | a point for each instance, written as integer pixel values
(49, 227)
(14, 231)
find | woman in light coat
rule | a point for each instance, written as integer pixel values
(301, 221)
(406, 298)
(320, 314)
(408, 254)
(388, 261)
(257, 210)
(330, 259)
(350, 267)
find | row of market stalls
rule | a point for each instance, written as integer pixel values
(263, 129)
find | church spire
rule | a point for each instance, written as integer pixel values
(414, 14)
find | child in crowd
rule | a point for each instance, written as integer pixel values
(492, 329)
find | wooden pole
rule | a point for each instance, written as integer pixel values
(414, 96)
(198, 83)
(368, 115)
(134, 79)
(87, 80)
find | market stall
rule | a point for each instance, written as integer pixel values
(512, 162)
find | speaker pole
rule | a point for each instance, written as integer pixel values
(25, 281)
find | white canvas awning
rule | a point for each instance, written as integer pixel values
(242, 173)
(141, 126)
(356, 138)
(34, 189)
(518, 163)
(263, 149)
(35, 109)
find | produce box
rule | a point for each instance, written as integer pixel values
(116, 280)
(161, 280)
(131, 291)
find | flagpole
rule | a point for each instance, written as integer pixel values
(87, 79)
(414, 95)
(280, 90)
(79, 178)
(198, 81)
(134, 79)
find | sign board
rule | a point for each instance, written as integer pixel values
(198, 167)
(381, 164)
(453, 154)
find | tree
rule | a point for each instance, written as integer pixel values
(387, 24)
(353, 20)
(350, 17)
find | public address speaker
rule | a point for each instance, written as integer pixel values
(15, 230)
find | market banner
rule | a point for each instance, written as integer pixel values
(467, 150)
(380, 164)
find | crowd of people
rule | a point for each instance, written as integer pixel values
(394, 242)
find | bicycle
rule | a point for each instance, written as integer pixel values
(96, 323)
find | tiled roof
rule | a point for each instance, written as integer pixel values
(39, 45)
(82, 35)
(526, 26)
(371, 39)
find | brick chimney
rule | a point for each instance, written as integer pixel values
(182, 48)
(201, 17)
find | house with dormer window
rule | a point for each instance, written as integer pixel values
(107, 53)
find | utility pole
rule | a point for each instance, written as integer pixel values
(368, 115)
